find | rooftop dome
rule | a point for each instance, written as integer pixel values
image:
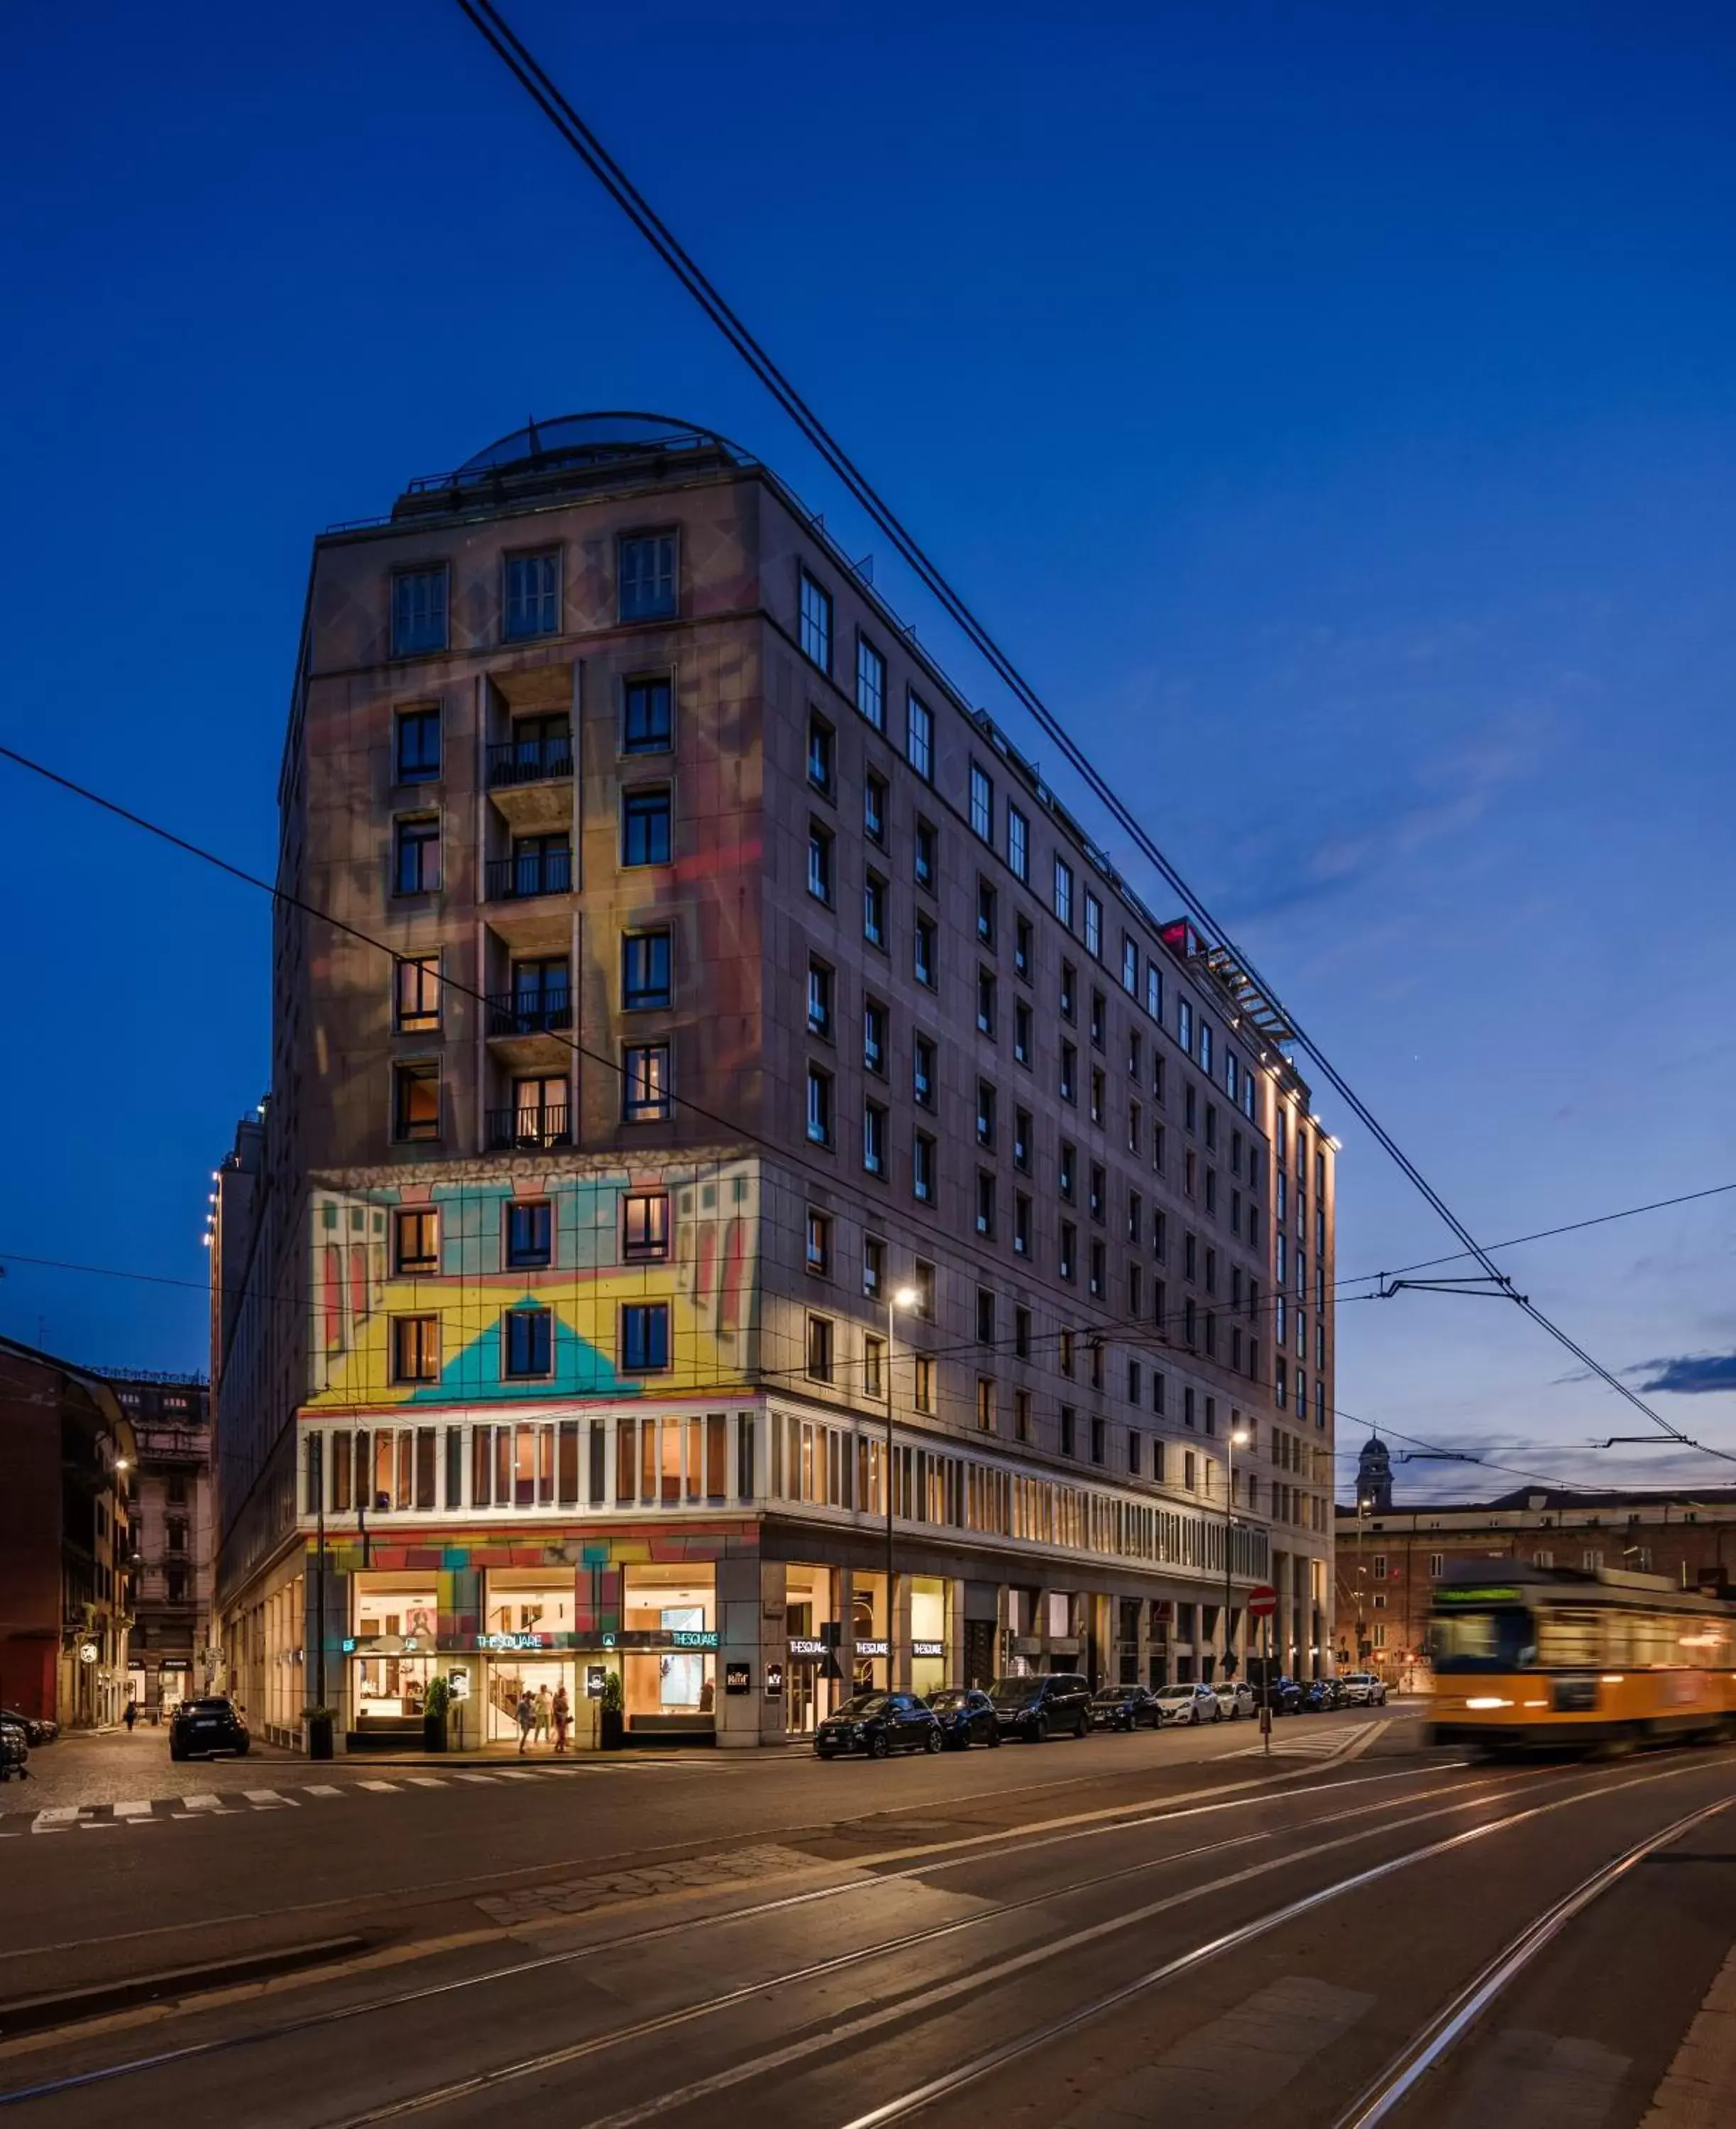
(577, 440)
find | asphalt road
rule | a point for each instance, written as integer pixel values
(1125, 1931)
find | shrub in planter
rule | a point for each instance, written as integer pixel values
(613, 1731)
(435, 1701)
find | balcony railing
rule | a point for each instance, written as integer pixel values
(530, 761)
(510, 1013)
(527, 1130)
(530, 873)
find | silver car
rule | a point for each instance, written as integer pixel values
(1186, 1703)
(1363, 1689)
(1235, 1699)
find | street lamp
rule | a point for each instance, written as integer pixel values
(1364, 1506)
(1238, 1439)
(905, 1298)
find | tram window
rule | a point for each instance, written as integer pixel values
(1484, 1641)
(1567, 1639)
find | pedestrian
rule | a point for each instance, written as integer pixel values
(131, 1716)
(544, 1711)
(526, 1712)
(563, 1712)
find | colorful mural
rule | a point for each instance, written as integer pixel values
(705, 1278)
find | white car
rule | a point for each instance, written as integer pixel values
(1235, 1699)
(1362, 1689)
(1186, 1703)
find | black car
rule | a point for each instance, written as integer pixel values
(1055, 1702)
(1285, 1694)
(1321, 1694)
(878, 1723)
(1122, 1708)
(966, 1715)
(38, 1729)
(206, 1727)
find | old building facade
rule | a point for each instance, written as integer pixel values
(170, 1649)
(704, 1050)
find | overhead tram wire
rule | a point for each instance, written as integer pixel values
(523, 65)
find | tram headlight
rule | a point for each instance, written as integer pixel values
(1488, 1700)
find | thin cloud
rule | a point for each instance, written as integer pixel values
(1693, 1375)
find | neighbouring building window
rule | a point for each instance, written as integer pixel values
(925, 961)
(819, 1244)
(874, 1037)
(416, 1239)
(645, 975)
(415, 866)
(874, 1266)
(819, 1106)
(819, 863)
(532, 603)
(645, 1226)
(816, 623)
(923, 1167)
(418, 746)
(529, 1234)
(647, 722)
(1018, 844)
(644, 826)
(1093, 927)
(819, 999)
(922, 1056)
(922, 1383)
(418, 612)
(647, 576)
(919, 737)
(1063, 891)
(873, 807)
(415, 1102)
(874, 910)
(645, 1082)
(870, 684)
(925, 853)
(982, 803)
(415, 1349)
(416, 994)
(822, 756)
(874, 1138)
(529, 1342)
(644, 1336)
(819, 1349)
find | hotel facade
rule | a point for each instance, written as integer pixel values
(719, 1095)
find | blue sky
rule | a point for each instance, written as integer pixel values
(1332, 409)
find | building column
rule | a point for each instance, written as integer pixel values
(748, 1588)
(898, 1635)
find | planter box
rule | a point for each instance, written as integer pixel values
(319, 1736)
(433, 1733)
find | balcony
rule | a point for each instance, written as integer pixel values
(530, 873)
(530, 781)
(528, 1028)
(526, 1131)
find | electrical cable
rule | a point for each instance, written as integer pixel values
(539, 86)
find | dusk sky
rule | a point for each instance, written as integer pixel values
(1331, 409)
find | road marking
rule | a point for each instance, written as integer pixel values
(426, 1781)
(390, 1788)
(1696, 2087)
(267, 1798)
(320, 1789)
(192, 1805)
(135, 1808)
(56, 1819)
(516, 1774)
(476, 1778)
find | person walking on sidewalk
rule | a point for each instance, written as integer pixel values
(131, 1716)
(563, 1712)
(526, 1712)
(544, 1712)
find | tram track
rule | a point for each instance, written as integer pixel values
(977, 1850)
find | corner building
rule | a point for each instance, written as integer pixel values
(731, 1036)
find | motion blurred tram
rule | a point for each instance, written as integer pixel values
(1545, 1657)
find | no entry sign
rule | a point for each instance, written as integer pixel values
(1262, 1602)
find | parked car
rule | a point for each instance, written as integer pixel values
(1235, 1699)
(1320, 1696)
(1285, 1696)
(14, 1750)
(1122, 1708)
(966, 1715)
(206, 1727)
(1186, 1703)
(1362, 1689)
(1034, 1709)
(878, 1723)
(38, 1729)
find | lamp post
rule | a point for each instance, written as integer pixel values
(1238, 1439)
(1363, 1505)
(905, 1298)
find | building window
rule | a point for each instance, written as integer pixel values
(819, 999)
(1069, 1250)
(925, 858)
(923, 1282)
(874, 910)
(1063, 891)
(819, 1106)
(982, 804)
(986, 1204)
(644, 1337)
(647, 576)
(874, 1037)
(816, 623)
(822, 756)
(1023, 947)
(874, 1266)
(1069, 992)
(1069, 1079)
(874, 808)
(645, 1082)
(416, 856)
(985, 912)
(1069, 1431)
(922, 1167)
(1094, 928)
(819, 1244)
(986, 1113)
(529, 1341)
(819, 863)
(1129, 968)
(874, 1138)
(416, 1239)
(1021, 1026)
(645, 1226)
(1018, 844)
(925, 960)
(1097, 1095)
(1021, 1415)
(870, 684)
(1099, 1442)
(1185, 1026)
(922, 1383)
(529, 1234)
(645, 976)
(647, 724)
(416, 994)
(922, 1070)
(986, 1404)
(1022, 1136)
(418, 746)
(984, 1002)
(1066, 1170)
(415, 1349)
(415, 1102)
(418, 612)
(644, 826)
(919, 737)
(533, 602)
(873, 1366)
(1021, 1224)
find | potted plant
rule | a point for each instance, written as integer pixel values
(435, 1701)
(319, 1721)
(613, 1733)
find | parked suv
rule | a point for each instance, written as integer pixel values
(206, 1727)
(1362, 1689)
(1034, 1709)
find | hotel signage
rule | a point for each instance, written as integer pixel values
(533, 1644)
(927, 1648)
(738, 1677)
(872, 1649)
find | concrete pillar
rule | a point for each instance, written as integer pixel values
(745, 1636)
(899, 1635)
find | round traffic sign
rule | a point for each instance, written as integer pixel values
(1262, 1602)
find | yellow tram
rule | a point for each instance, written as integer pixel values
(1544, 1656)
